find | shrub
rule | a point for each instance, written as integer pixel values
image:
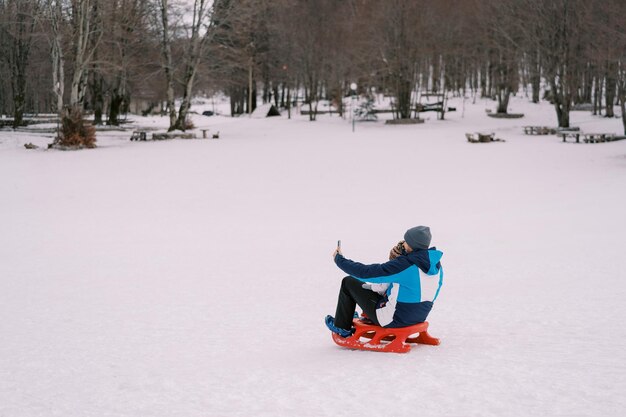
(75, 132)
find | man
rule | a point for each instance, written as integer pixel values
(414, 278)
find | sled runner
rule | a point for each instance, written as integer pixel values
(381, 339)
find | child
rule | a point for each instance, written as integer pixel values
(414, 277)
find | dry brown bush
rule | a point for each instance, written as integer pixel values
(75, 131)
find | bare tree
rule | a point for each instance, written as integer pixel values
(608, 48)
(401, 28)
(162, 23)
(199, 34)
(282, 70)
(317, 47)
(228, 48)
(501, 26)
(124, 55)
(248, 43)
(557, 27)
(17, 29)
(453, 32)
(309, 57)
(193, 37)
(84, 44)
(54, 15)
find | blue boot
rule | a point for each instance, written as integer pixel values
(330, 323)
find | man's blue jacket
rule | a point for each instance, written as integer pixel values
(414, 282)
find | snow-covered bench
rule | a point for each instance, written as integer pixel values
(139, 135)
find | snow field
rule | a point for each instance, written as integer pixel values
(191, 277)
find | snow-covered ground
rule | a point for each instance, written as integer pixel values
(191, 277)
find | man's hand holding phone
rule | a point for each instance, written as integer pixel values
(338, 250)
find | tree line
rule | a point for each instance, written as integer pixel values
(101, 56)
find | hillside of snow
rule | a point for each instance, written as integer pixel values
(191, 277)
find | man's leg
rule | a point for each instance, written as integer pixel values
(351, 294)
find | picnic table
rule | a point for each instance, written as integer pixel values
(139, 135)
(539, 130)
(587, 137)
(437, 104)
(569, 134)
(597, 137)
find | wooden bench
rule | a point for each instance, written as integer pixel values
(432, 102)
(539, 130)
(424, 107)
(597, 137)
(569, 134)
(139, 135)
(173, 135)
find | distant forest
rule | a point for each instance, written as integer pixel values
(105, 56)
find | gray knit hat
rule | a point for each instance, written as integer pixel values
(418, 237)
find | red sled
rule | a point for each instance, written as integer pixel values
(381, 339)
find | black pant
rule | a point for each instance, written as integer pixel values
(351, 294)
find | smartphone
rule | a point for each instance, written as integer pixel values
(339, 244)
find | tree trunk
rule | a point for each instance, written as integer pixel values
(56, 53)
(403, 88)
(276, 99)
(283, 94)
(250, 101)
(119, 100)
(436, 75)
(561, 105)
(84, 48)
(610, 88)
(181, 121)
(288, 103)
(597, 95)
(267, 88)
(312, 111)
(233, 102)
(622, 104)
(168, 68)
(96, 89)
(193, 55)
(586, 84)
(19, 55)
(311, 95)
(535, 75)
(19, 97)
(18, 32)
(474, 81)
(504, 94)
(237, 100)
(504, 73)
(115, 108)
(483, 81)
(621, 92)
